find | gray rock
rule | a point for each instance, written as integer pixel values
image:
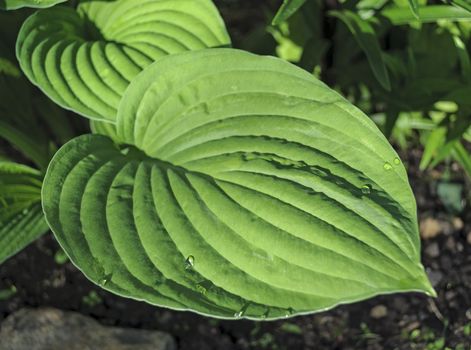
(433, 250)
(51, 329)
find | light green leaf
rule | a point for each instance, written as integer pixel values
(414, 6)
(463, 56)
(251, 190)
(365, 35)
(428, 14)
(287, 9)
(435, 142)
(21, 216)
(104, 128)
(84, 59)
(462, 155)
(16, 4)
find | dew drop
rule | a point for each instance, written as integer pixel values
(366, 189)
(289, 312)
(387, 166)
(242, 311)
(189, 262)
(397, 161)
(105, 280)
(265, 315)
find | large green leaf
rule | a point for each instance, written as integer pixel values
(16, 4)
(84, 59)
(365, 35)
(21, 216)
(251, 190)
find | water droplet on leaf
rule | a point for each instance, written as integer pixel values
(242, 311)
(105, 280)
(397, 161)
(387, 166)
(366, 189)
(189, 262)
(265, 315)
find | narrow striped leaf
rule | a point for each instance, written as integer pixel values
(365, 35)
(414, 6)
(463, 56)
(21, 215)
(428, 14)
(466, 4)
(84, 59)
(287, 9)
(241, 187)
(16, 4)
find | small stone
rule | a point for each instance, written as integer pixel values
(435, 277)
(51, 329)
(379, 311)
(429, 228)
(468, 237)
(414, 325)
(468, 314)
(457, 223)
(432, 250)
(450, 244)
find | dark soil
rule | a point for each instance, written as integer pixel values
(402, 321)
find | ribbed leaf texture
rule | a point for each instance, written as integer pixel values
(21, 216)
(251, 190)
(16, 4)
(84, 59)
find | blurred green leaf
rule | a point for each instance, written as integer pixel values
(21, 215)
(6, 294)
(463, 57)
(61, 257)
(451, 195)
(365, 35)
(432, 13)
(414, 6)
(435, 141)
(462, 3)
(463, 157)
(287, 9)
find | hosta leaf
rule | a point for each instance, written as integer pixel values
(104, 128)
(287, 9)
(84, 59)
(251, 189)
(16, 4)
(21, 215)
